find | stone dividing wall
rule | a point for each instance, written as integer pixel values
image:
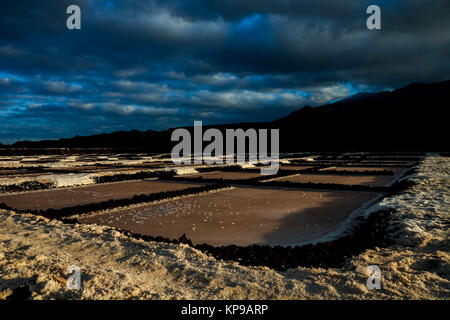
(26, 186)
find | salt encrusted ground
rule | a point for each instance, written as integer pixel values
(36, 251)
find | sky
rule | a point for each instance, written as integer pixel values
(159, 64)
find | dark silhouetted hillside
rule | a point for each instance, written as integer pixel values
(410, 118)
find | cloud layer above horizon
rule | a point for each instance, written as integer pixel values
(156, 64)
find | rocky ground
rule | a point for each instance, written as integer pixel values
(35, 253)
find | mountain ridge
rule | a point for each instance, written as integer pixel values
(408, 118)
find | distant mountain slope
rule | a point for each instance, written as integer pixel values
(410, 118)
(152, 141)
(413, 118)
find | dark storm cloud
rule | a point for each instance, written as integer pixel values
(158, 64)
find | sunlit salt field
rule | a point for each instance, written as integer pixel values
(245, 208)
(340, 179)
(67, 197)
(226, 175)
(241, 216)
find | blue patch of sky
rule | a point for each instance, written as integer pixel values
(253, 28)
(250, 21)
(12, 76)
(352, 90)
